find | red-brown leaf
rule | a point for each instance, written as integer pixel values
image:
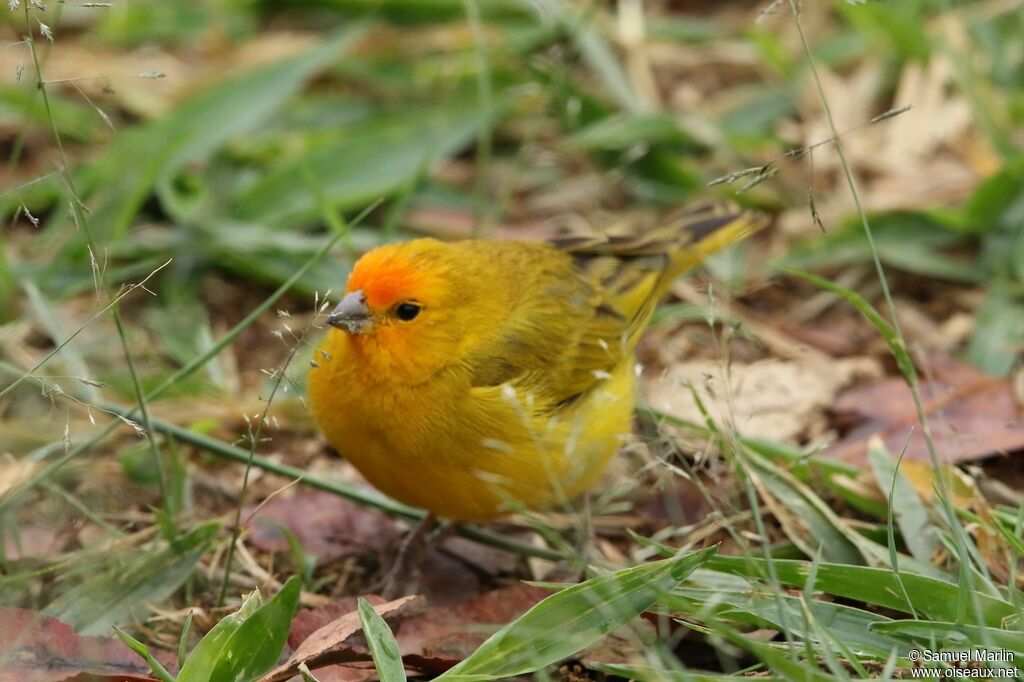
(972, 416)
(35, 648)
(328, 526)
(339, 641)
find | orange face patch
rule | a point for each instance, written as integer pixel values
(384, 278)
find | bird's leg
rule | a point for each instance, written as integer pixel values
(444, 530)
(405, 571)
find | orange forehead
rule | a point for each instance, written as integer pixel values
(384, 278)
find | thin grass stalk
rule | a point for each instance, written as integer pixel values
(890, 529)
(254, 439)
(60, 346)
(743, 469)
(739, 460)
(942, 489)
(82, 220)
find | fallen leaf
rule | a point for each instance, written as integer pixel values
(337, 641)
(34, 648)
(358, 671)
(962, 489)
(783, 401)
(308, 621)
(328, 526)
(677, 502)
(443, 636)
(32, 541)
(971, 415)
(996, 553)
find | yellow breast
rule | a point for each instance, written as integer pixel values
(462, 452)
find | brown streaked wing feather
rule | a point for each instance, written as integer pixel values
(688, 226)
(634, 270)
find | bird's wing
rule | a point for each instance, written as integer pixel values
(559, 340)
(590, 300)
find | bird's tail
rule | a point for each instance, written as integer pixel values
(636, 269)
(696, 233)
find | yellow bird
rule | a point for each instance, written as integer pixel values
(476, 378)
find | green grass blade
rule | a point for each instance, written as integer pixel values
(142, 650)
(368, 160)
(254, 647)
(643, 673)
(819, 524)
(199, 127)
(908, 510)
(952, 635)
(936, 599)
(762, 609)
(183, 640)
(998, 332)
(116, 596)
(383, 647)
(892, 337)
(574, 618)
(204, 657)
(599, 55)
(780, 662)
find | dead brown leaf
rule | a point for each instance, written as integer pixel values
(328, 526)
(440, 638)
(308, 621)
(783, 401)
(676, 501)
(34, 648)
(33, 541)
(430, 642)
(971, 415)
(358, 671)
(338, 641)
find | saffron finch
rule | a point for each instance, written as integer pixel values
(474, 378)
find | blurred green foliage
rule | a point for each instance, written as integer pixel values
(400, 101)
(236, 176)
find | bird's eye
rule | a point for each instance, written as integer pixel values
(407, 311)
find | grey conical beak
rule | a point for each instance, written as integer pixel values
(351, 314)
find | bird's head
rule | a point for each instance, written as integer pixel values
(403, 308)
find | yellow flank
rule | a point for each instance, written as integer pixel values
(476, 378)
